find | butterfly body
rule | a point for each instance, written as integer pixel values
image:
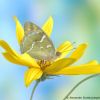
(36, 43)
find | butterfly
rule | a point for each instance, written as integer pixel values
(37, 44)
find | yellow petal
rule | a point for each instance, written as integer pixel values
(6, 46)
(93, 62)
(78, 53)
(31, 75)
(13, 56)
(19, 30)
(29, 60)
(79, 70)
(58, 65)
(10, 58)
(24, 60)
(64, 49)
(48, 26)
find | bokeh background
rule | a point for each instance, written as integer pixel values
(74, 20)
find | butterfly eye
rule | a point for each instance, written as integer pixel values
(58, 53)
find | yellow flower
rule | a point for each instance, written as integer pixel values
(61, 66)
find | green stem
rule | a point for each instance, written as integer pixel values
(34, 88)
(85, 79)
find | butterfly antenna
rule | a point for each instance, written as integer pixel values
(69, 50)
(66, 49)
(71, 45)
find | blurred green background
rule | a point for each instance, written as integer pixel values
(74, 20)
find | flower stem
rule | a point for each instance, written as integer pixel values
(85, 79)
(34, 88)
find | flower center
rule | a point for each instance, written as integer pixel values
(43, 64)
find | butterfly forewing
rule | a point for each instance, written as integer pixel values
(36, 43)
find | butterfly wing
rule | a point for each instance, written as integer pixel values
(36, 43)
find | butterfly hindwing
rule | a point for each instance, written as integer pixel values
(36, 43)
